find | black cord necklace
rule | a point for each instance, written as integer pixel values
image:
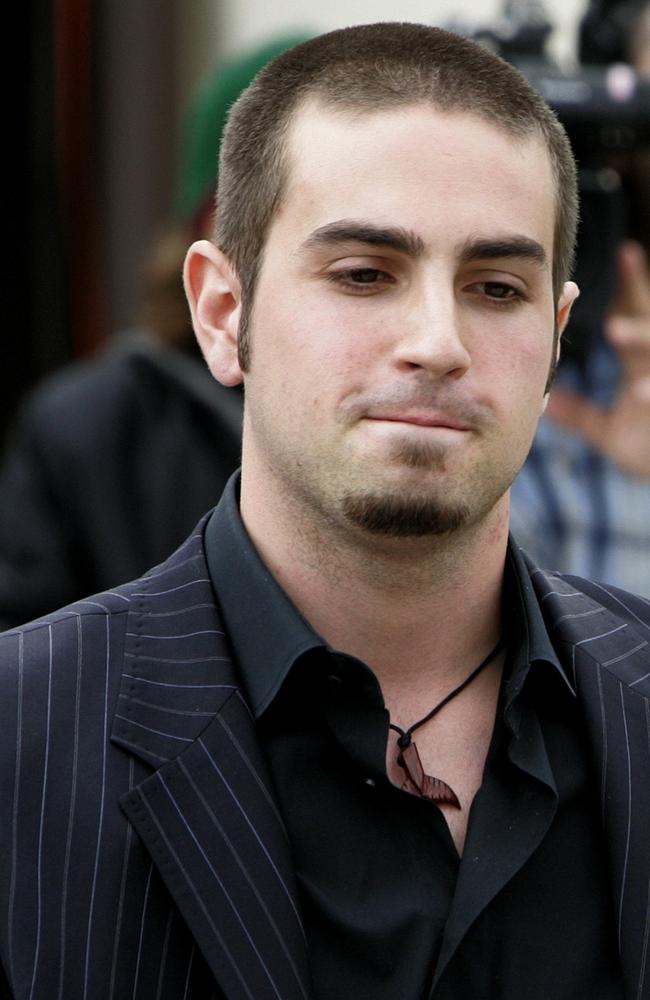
(415, 779)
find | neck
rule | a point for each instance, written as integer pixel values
(424, 609)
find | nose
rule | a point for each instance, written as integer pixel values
(431, 337)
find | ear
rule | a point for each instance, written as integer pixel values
(214, 295)
(569, 294)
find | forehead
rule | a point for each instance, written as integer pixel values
(415, 166)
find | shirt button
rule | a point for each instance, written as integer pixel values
(370, 782)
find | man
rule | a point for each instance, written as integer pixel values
(347, 741)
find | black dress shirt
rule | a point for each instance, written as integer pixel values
(390, 909)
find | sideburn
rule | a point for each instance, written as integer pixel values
(243, 336)
(248, 283)
(554, 362)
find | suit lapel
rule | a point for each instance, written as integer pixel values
(206, 813)
(607, 651)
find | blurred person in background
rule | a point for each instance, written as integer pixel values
(581, 503)
(113, 460)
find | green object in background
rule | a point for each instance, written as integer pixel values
(206, 119)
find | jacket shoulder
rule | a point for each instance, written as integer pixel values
(633, 608)
(84, 632)
(597, 630)
(630, 608)
(96, 627)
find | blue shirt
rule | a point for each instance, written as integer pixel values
(575, 511)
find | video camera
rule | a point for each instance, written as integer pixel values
(605, 110)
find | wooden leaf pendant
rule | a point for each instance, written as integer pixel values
(418, 782)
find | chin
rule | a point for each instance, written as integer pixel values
(401, 516)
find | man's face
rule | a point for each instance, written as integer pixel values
(402, 328)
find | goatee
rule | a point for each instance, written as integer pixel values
(403, 516)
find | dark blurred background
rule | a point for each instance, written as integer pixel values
(93, 91)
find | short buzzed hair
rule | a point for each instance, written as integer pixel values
(373, 67)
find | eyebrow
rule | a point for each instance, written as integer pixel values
(522, 247)
(409, 243)
(351, 231)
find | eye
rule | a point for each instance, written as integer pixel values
(499, 292)
(364, 275)
(361, 280)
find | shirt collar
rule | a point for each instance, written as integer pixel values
(534, 642)
(267, 632)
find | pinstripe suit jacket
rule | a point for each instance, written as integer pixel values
(143, 855)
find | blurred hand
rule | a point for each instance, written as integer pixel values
(621, 431)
